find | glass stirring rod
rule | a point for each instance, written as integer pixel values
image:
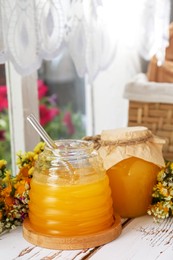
(40, 130)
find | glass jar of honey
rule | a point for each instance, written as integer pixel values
(131, 182)
(70, 193)
(132, 157)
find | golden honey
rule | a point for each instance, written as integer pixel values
(132, 181)
(70, 201)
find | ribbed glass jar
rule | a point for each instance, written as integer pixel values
(70, 193)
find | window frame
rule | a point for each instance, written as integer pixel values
(22, 95)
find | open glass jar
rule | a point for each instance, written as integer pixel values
(70, 193)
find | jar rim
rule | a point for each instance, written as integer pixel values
(71, 146)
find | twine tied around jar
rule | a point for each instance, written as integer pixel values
(97, 142)
(115, 145)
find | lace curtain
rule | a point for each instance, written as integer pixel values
(33, 30)
(154, 30)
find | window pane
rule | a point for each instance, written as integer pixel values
(61, 103)
(5, 151)
(61, 98)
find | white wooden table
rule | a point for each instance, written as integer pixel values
(141, 239)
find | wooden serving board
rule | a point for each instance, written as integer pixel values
(75, 242)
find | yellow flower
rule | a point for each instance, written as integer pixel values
(171, 166)
(30, 171)
(35, 157)
(161, 175)
(20, 187)
(6, 191)
(3, 163)
(39, 147)
(14, 191)
(7, 177)
(163, 191)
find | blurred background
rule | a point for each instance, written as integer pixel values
(76, 100)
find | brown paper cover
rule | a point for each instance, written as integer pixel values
(122, 143)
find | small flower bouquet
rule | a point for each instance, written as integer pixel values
(162, 203)
(14, 190)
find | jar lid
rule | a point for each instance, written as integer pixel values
(126, 135)
(118, 144)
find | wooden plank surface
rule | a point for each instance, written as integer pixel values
(13, 246)
(141, 239)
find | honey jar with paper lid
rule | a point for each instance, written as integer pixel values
(132, 157)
